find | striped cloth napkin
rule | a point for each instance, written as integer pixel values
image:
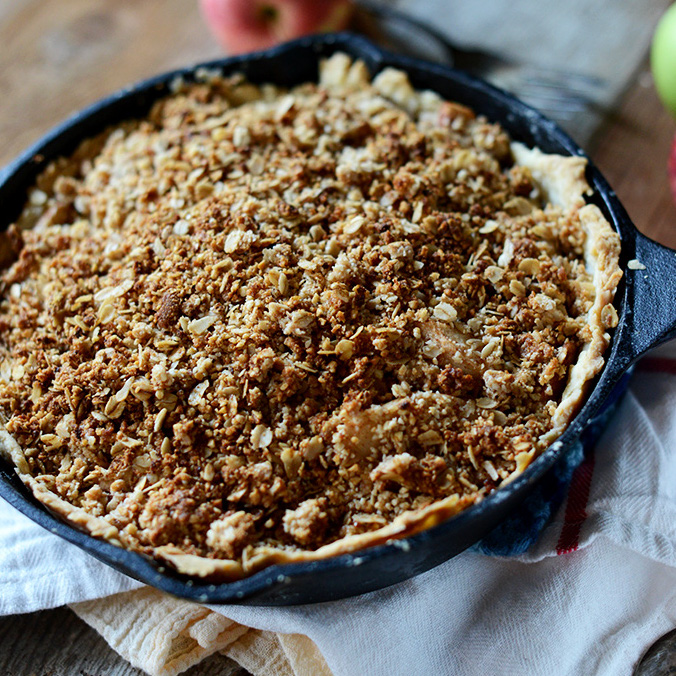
(586, 591)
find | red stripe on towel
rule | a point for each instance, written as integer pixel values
(657, 365)
(576, 508)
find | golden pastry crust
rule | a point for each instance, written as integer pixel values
(264, 326)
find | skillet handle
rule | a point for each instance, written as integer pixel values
(650, 303)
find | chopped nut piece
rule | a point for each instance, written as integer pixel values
(197, 395)
(488, 227)
(202, 324)
(507, 254)
(159, 420)
(241, 137)
(446, 312)
(292, 460)
(283, 284)
(354, 225)
(531, 266)
(518, 206)
(517, 288)
(494, 274)
(609, 316)
(114, 408)
(261, 437)
(181, 227)
(633, 264)
(429, 438)
(208, 473)
(490, 470)
(345, 349)
(486, 402)
(311, 448)
(114, 291)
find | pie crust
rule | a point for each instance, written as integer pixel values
(265, 326)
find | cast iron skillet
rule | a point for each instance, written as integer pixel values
(644, 301)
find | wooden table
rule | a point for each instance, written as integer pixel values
(59, 55)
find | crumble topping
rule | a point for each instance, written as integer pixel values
(260, 323)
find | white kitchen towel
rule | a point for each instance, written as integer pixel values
(589, 597)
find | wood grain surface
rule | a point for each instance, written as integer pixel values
(57, 643)
(57, 56)
(632, 151)
(602, 38)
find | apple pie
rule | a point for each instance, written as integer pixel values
(264, 325)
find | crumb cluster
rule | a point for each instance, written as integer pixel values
(267, 320)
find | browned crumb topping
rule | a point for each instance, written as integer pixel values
(261, 318)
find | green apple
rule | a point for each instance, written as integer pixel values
(663, 59)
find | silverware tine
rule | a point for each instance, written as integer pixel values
(559, 93)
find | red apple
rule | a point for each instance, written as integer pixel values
(247, 25)
(672, 168)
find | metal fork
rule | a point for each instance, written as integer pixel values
(558, 93)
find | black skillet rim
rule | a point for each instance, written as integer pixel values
(541, 131)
